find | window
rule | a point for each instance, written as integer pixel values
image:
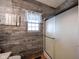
(33, 21)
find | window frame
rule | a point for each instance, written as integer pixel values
(38, 21)
(34, 26)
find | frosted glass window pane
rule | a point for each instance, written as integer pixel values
(29, 28)
(33, 28)
(37, 28)
(33, 25)
(33, 17)
(37, 25)
(34, 21)
(29, 24)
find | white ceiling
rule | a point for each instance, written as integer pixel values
(52, 3)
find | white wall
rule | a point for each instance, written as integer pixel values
(67, 35)
(65, 28)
